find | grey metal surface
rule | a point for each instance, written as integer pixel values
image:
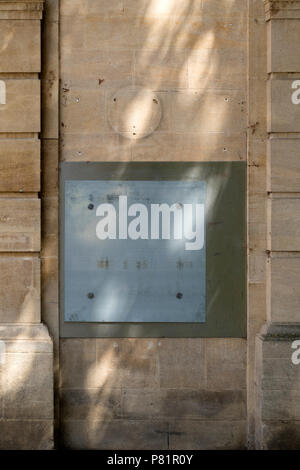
(152, 288)
(128, 280)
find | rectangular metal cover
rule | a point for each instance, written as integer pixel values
(153, 249)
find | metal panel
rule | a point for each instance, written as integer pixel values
(131, 279)
(153, 287)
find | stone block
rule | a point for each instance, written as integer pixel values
(115, 434)
(183, 404)
(281, 374)
(163, 146)
(78, 363)
(100, 147)
(284, 288)
(280, 405)
(207, 435)
(26, 435)
(127, 363)
(28, 386)
(283, 38)
(284, 165)
(83, 111)
(208, 110)
(168, 69)
(19, 224)
(103, 69)
(181, 363)
(217, 68)
(20, 46)
(20, 165)
(283, 435)
(21, 113)
(285, 223)
(283, 114)
(101, 404)
(19, 289)
(226, 364)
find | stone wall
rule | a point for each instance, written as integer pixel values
(208, 63)
(26, 365)
(157, 393)
(278, 379)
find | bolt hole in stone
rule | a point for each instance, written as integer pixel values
(91, 295)
(179, 295)
(91, 207)
(134, 112)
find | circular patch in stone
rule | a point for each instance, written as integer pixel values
(134, 112)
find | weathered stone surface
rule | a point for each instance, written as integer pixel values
(217, 68)
(280, 405)
(209, 111)
(19, 224)
(284, 165)
(283, 53)
(285, 223)
(26, 435)
(37, 332)
(20, 165)
(257, 215)
(21, 113)
(115, 434)
(50, 81)
(283, 435)
(49, 227)
(20, 46)
(19, 289)
(101, 404)
(78, 363)
(284, 9)
(283, 114)
(50, 161)
(277, 389)
(207, 435)
(51, 10)
(104, 69)
(49, 267)
(284, 288)
(173, 403)
(112, 363)
(28, 386)
(194, 57)
(225, 364)
(83, 111)
(281, 374)
(128, 362)
(187, 146)
(181, 363)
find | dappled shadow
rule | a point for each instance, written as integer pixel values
(192, 54)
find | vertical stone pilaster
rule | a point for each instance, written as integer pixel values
(26, 371)
(277, 378)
